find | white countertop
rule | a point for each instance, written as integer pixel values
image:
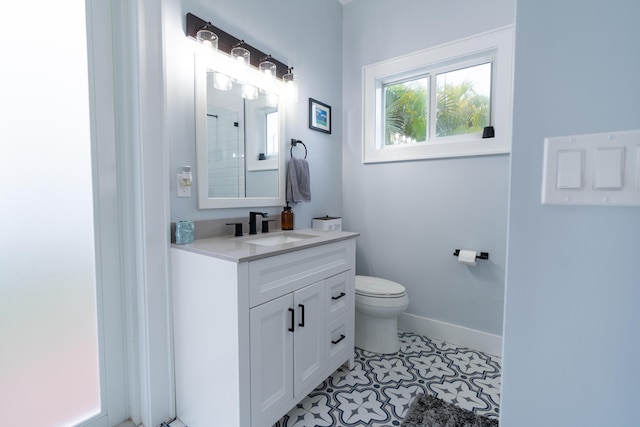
(237, 249)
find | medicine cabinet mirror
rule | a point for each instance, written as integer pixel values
(239, 142)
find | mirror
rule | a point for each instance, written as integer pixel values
(239, 144)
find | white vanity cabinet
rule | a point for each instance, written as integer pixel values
(287, 354)
(253, 337)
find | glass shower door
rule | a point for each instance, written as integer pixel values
(49, 340)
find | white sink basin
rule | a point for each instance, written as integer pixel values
(273, 239)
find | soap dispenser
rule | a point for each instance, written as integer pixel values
(287, 218)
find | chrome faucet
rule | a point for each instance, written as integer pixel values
(252, 220)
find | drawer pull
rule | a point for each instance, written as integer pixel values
(339, 296)
(301, 324)
(338, 340)
(293, 318)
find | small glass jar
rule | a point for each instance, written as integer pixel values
(184, 232)
(287, 218)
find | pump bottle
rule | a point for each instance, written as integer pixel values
(287, 218)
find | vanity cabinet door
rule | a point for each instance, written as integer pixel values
(288, 351)
(308, 343)
(272, 325)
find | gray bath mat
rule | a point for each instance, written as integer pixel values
(429, 411)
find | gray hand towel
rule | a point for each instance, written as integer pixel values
(298, 183)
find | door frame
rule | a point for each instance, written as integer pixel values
(130, 157)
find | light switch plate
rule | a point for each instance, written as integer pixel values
(569, 169)
(609, 168)
(594, 169)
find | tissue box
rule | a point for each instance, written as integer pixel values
(327, 223)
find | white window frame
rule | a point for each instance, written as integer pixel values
(496, 46)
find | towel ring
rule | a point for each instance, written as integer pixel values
(295, 142)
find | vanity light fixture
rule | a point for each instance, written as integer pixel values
(272, 99)
(268, 73)
(207, 38)
(290, 85)
(222, 81)
(237, 61)
(242, 59)
(249, 91)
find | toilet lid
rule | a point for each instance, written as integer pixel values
(377, 287)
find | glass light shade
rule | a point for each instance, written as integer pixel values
(249, 91)
(208, 39)
(290, 86)
(268, 68)
(222, 81)
(241, 58)
(272, 99)
(268, 74)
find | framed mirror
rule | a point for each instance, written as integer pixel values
(239, 139)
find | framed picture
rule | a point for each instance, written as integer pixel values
(319, 116)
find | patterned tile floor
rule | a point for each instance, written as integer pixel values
(378, 391)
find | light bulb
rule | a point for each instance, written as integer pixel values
(241, 57)
(290, 86)
(267, 75)
(208, 39)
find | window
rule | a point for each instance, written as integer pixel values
(272, 127)
(436, 103)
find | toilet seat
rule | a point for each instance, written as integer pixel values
(379, 288)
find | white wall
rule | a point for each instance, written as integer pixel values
(571, 343)
(413, 215)
(304, 34)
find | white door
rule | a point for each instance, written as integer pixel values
(272, 328)
(309, 350)
(60, 289)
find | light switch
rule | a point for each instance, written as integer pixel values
(608, 168)
(597, 169)
(637, 168)
(569, 175)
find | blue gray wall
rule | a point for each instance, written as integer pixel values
(571, 340)
(412, 215)
(304, 34)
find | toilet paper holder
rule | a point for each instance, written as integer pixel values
(483, 255)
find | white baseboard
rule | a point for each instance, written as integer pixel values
(454, 334)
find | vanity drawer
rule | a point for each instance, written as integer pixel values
(339, 343)
(272, 277)
(338, 295)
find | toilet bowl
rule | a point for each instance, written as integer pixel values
(378, 303)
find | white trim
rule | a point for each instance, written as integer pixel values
(113, 361)
(498, 43)
(143, 196)
(132, 209)
(202, 153)
(150, 181)
(454, 334)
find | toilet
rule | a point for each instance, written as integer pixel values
(379, 302)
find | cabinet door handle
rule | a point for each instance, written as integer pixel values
(338, 340)
(301, 324)
(293, 318)
(339, 296)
